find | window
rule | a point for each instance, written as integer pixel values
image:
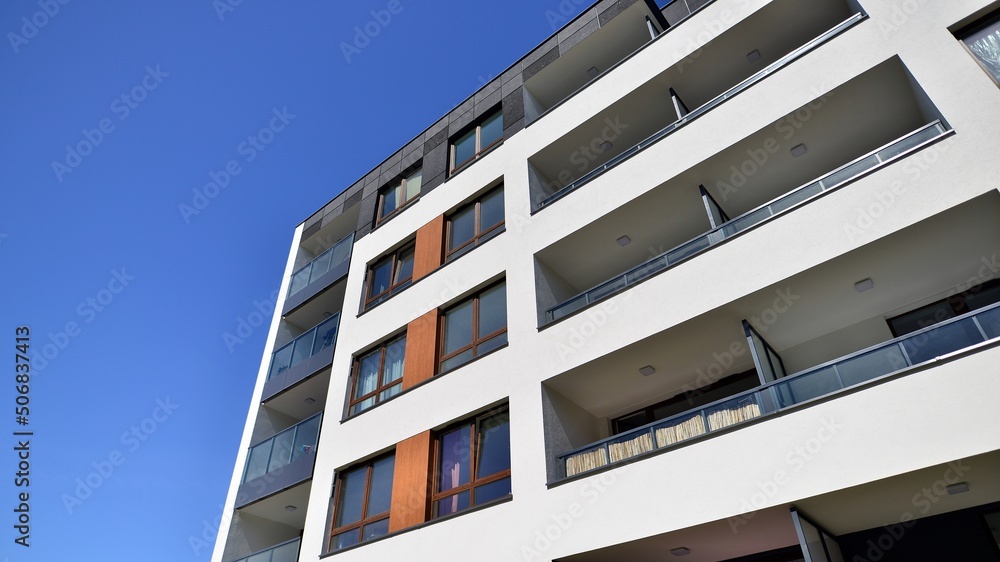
(471, 145)
(475, 223)
(389, 274)
(983, 41)
(361, 501)
(474, 327)
(980, 296)
(399, 194)
(378, 375)
(472, 463)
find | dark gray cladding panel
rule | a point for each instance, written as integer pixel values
(513, 108)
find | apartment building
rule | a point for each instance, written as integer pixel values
(716, 280)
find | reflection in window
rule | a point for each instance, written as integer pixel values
(472, 464)
(361, 499)
(983, 42)
(378, 375)
(473, 144)
(475, 223)
(474, 327)
(396, 196)
(389, 274)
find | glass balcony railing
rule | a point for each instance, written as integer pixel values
(706, 107)
(338, 254)
(922, 346)
(794, 198)
(282, 449)
(287, 552)
(304, 346)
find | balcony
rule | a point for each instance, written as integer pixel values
(772, 38)
(728, 228)
(302, 357)
(324, 270)
(287, 552)
(280, 462)
(924, 346)
(879, 118)
(924, 295)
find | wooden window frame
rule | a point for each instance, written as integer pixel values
(370, 299)
(477, 340)
(476, 443)
(400, 205)
(478, 231)
(366, 519)
(454, 166)
(382, 386)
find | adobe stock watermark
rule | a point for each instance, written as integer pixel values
(87, 310)
(922, 501)
(104, 468)
(722, 362)
(366, 33)
(795, 460)
(758, 157)
(586, 154)
(885, 199)
(209, 532)
(121, 107)
(564, 12)
(249, 149)
(901, 14)
(247, 325)
(590, 323)
(225, 7)
(32, 25)
(559, 524)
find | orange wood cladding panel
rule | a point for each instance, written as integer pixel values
(411, 482)
(421, 350)
(429, 254)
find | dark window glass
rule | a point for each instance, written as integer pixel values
(465, 479)
(378, 375)
(362, 499)
(474, 327)
(471, 145)
(397, 195)
(983, 42)
(475, 223)
(389, 274)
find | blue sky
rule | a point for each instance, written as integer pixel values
(114, 114)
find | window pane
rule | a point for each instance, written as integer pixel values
(395, 354)
(352, 496)
(344, 540)
(985, 45)
(390, 201)
(381, 274)
(465, 148)
(262, 557)
(491, 209)
(492, 129)
(463, 227)
(922, 318)
(320, 266)
(257, 463)
(368, 374)
(377, 529)
(404, 269)
(493, 343)
(494, 451)
(381, 486)
(390, 392)
(493, 310)
(493, 491)
(363, 405)
(454, 504)
(326, 334)
(281, 453)
(457, 361)
(458, 327)
(453, 466)
(286, 553)
(280, 361)
(305, 438)
(413, 183)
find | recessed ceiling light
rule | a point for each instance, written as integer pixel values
(310, 400)
(606, 146)
(799, 150)
(682, 551)
(864, 285)
(647, 370)
(753, 56)
(593, 72)
(959, 488)
(290, 508)
(624, 241)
